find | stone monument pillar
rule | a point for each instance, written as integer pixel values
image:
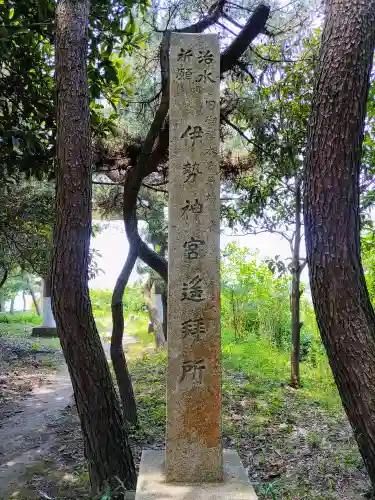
(159, 302)
(48, 328)
(194, 465)
(193, 444)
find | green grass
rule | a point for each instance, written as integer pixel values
(30, 318)
(133, 303)
(22, 333)
(103, 324)
(268, 371)
(138, 327)
(18, 327)
(148, 375)
(15, 331)
(296, 444)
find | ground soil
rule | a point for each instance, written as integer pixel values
(40, 441)
(292, 448)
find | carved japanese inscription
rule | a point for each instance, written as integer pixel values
(193, 444)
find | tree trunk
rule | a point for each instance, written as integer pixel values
(160, 341)
(11, 310)
(24, 308)
(164, 301)
(2, 296)
(47, 286)
(4, 278)
(129, 407)
(332, 224)
(35, 300)
(296, 294)
(105, 442)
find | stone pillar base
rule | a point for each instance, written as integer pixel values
(151, 481)
(44, 331)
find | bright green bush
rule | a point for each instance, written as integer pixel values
(312, 348)
(30, 318)
(368, 262)
(133, 301)
(253, 300)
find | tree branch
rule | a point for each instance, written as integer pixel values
(153, 260)
(212, 17)
(226, 28)
(251, 30)
(231, 20)
(235, 5)
(267, 59)
(241, 133)
(102, 183)
(243, 67)
(148, 186)
(4, 278)
(149, 257)
(155, 146)
(304, 262)
(120, 367)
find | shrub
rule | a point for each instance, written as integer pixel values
(25, 318)
(253, 299)
(101, 301)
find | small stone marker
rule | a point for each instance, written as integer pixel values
(193, 443)
(194, 466)
(48, 328)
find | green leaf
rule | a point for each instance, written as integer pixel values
(110, 74)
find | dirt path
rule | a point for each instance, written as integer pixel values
(29, 433)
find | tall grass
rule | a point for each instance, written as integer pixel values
(133, 303)
(267, 369)
(256, 301)
(30, 318)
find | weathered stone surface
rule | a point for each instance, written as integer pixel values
(193, 441)
(152, 485)
(44, 331)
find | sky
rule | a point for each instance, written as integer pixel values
(112, 245)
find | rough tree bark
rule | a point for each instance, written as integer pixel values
(129, 407)
(332, 224)
(105, 442)
(24, 301)
(11, 310)
(296, 294)
(47, 285)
